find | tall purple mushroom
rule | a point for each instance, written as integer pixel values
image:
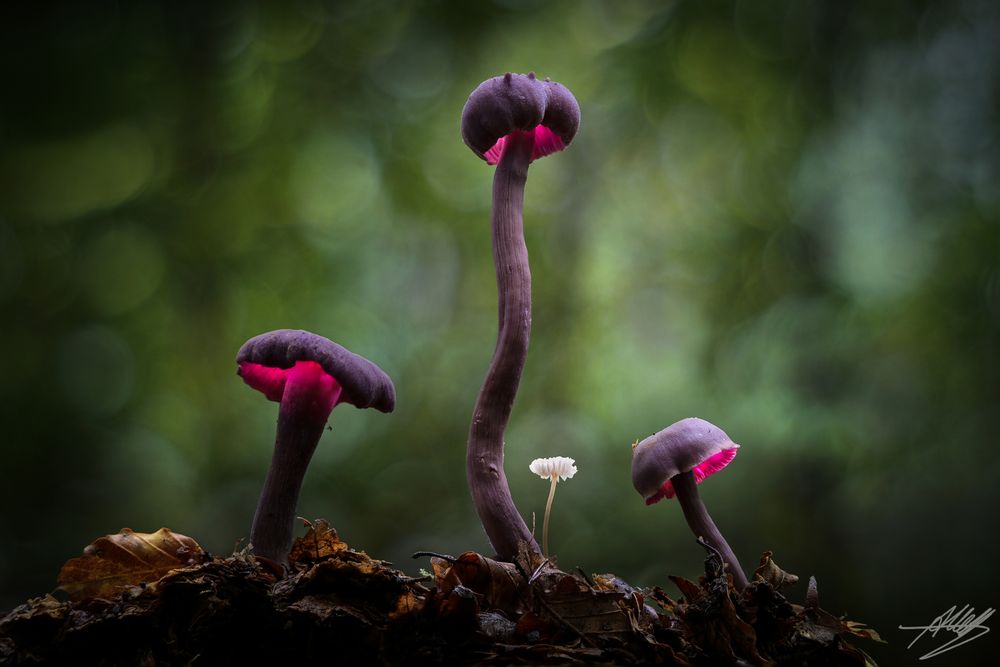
(308, 376)
(509, 121)
(673, 462)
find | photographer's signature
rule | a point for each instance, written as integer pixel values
(962, 621)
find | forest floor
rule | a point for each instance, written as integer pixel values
(159, 599)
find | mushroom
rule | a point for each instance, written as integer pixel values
(673, 462)
(308, 375)
(509, 121)
(554, 469)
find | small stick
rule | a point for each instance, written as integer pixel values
(425, 554)
(537, 572)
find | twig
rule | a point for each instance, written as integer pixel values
(538, 571)
(709, 547)
(425, 554)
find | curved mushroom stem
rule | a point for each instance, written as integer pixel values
(302, 417)
(702, 525)
(484, 463)
(548, 512)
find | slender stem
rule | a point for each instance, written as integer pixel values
(300, 426)
(504, 526)
(548, 511)
(702, 525)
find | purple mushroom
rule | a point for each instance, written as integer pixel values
(308, 376)
(673, 462)
(509, 121)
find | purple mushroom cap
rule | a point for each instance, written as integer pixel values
(263, 361)
(691, 444)
(519, 102)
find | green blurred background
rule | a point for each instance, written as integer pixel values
(783, 217)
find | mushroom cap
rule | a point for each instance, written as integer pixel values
(504, 104)
(562, 467)
(364, 384)
(691, 444)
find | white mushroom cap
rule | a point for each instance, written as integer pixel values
(554, 466)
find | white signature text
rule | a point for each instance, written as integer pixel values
(962, 621)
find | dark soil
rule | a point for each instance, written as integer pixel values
(340, 606)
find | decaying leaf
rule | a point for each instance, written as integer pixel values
(128, 558)
(408, 602)
(861, 630)
(712, 619)
(769, 571)
(320, 541)
(499, 583)
(690, 590)
(590, 612)
(665, 601)
(612, 582)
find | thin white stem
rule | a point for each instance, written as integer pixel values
(548, 511)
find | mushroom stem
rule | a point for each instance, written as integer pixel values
(301, 420)
(548, 512)
(504, 526)
(702, 525)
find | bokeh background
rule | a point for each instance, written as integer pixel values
(781, 216)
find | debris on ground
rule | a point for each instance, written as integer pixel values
(160, 599)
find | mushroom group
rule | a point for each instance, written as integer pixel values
(509, 121)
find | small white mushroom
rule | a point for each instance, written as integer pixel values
(554, 468)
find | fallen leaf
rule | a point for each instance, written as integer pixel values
(691, 591)
(499, 583)
(712, 619)
(320, 541)
(114, 562)
(612, 582)
(769, 571)
(861, 630)
(407, 603)
(589, 612)
(665, 601)
(497, 627)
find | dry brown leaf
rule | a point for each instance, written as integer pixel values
(113, 562)
(440, 568)
(661, 598)
(612, 582)
(691, 591)
(407, 603)
(861, 630)
(590, 612)
(769, 571)
(320, 541)
(499, 583)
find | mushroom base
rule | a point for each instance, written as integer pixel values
(306, 403)
(274, 521)
(701, 524)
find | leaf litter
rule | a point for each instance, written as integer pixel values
(159, 598)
